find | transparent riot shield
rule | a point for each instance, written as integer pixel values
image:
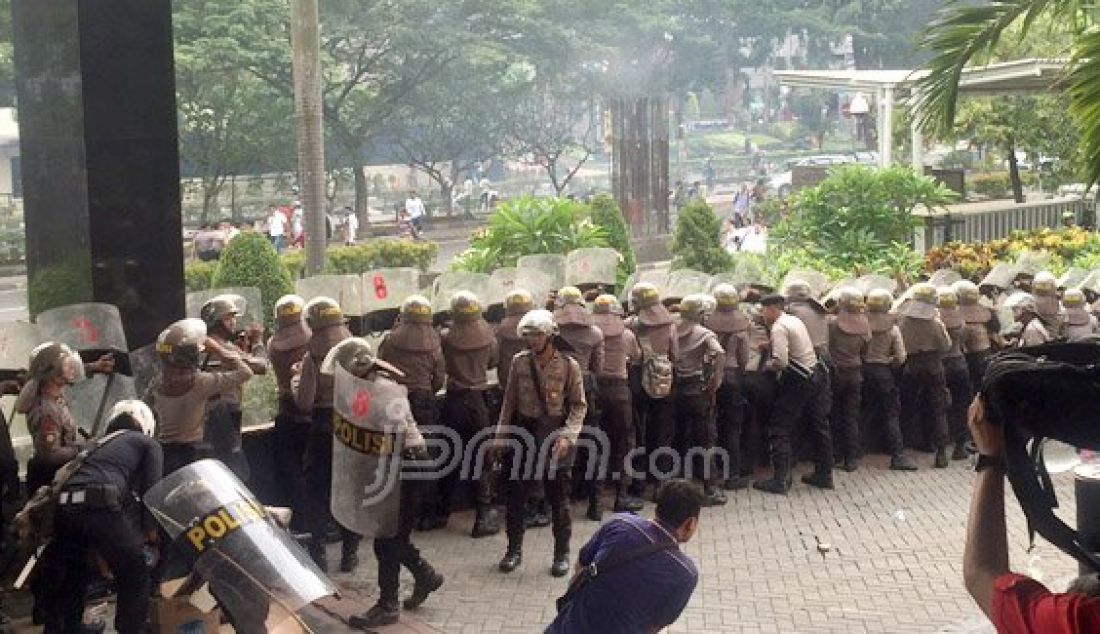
(368, 437)
(17, 339)
(145, 364)
(732, 278)
(1090, 285)
(830, 298)
(874, 282)
(257, 572)
(251, 312)
(944, 277)
(684, 282)
(1073, 277)
(501, 282)
(539, 282)
(93, 330)
(383, 292)
(552, 264)
(749, 270)
(591, 267)
(999, 277)
(345, 289)
(1031, 262)
(450, 282)
(817, 281)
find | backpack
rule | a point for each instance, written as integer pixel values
(656, 371)
(34, 524)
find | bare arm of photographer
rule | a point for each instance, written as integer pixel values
(985, 557)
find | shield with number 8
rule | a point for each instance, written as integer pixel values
(586, 268)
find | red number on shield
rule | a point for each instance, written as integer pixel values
(361, 404)
(380, 287)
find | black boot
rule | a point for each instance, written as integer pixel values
(941, 458)
(378, 615)
(595, 512)
(349, 553)
(713, 496)
(513, 557)
(901, 463)
(431, 522)
(780, 482)
(627, 503)
(737, 483)
(487, 522)
(960, 452)
(318, 555)
(427, 581)
(560, 567)
(850, 464)
(819, 479)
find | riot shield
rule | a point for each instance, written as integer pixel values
(17, 339)
(749, 271)
(1073, 277)
(383, 292)
(944, 277)
(830, 298)
(624, 292)
(92, 330)
(501, 282)
(588, 268)
(872, 282)
(684, 282)
(345, 289)
(552, 264)
(1031, 262)
(1090, 285)
(732, 279)
(450, 282)
(250, 314)
(366, 453)
(540, 283)
(258, 573)
(817, 281)
(145, 363)
(999, 277)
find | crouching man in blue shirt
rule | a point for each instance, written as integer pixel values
(643, 593)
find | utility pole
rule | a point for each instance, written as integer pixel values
(305, 40)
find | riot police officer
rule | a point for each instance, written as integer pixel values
(286, 348)
(885, 354)
(1079, 323)
(956, 372)
(922, 381)
(545, 402)
(1045, 290)
(616, 409)
(355, 356)
(586, 347)
(224, 416)
(654, 328)
(314, 394)
(698, 375)
(517, 303)
(802, 304)
(981, 330)
(849, 336)
(793, 359)
(469, 351)
(180, 392)
(1035, 330)
(732, 326)
(99, 510)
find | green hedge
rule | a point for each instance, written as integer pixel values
(198, 275)
(251, 260)
(998, 184)
(697, 241)
(607, 215)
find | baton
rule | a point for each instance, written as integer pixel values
(28, 568)
(102, 405)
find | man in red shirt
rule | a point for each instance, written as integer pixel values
(1014, 603)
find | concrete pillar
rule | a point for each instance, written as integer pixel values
(917, 141)
(886, 126)
(100, 159)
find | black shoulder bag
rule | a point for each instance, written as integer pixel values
(612, 562)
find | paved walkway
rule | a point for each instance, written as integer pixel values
(882, 553)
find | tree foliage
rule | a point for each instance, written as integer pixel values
(250, 260)
(697, 241)
(857, 220)
(528, 226)
(607, 215)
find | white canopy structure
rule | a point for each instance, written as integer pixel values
(889, 86)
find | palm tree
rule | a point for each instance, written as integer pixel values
(961, 34)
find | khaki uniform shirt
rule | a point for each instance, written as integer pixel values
(181, 418)
(847, 350)
(53, 431)
(423, 370)
(886, 348)
(924, 335)
(791, 342)
(562, 388)
(1034, 334)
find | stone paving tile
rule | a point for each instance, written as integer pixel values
(891, 562)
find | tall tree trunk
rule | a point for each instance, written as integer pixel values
(362, 195)
(1014, 174)
(306, 45)
(233, 210)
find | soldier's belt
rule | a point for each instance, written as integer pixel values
(364, 441)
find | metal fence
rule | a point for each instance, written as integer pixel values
(980, 222)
